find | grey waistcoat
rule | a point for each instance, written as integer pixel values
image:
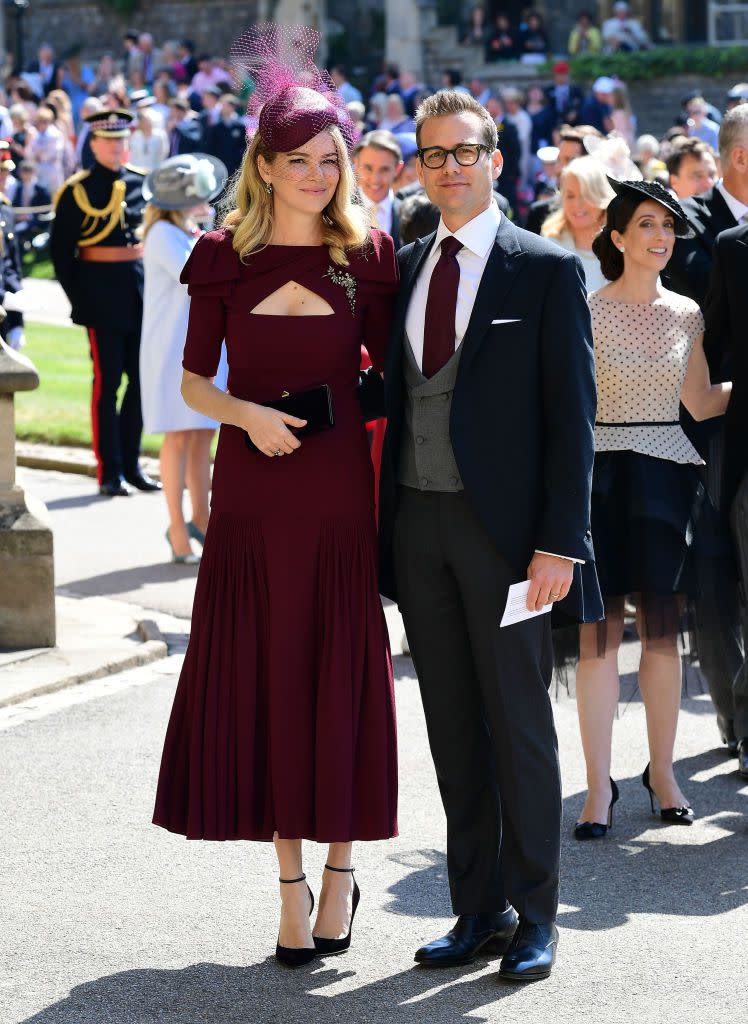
(427, 461)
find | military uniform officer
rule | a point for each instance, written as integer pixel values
(98, 260)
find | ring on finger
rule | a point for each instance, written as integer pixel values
(554, 597)
(277, 452)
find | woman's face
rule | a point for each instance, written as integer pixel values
(305, 179)
(581, 215)
(649, 237)
(535, 95)
(198, 213)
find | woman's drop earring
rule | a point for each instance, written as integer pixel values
(268, 188)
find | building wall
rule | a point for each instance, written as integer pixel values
(97, 28)
(356, 36)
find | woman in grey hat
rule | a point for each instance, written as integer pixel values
(178, 192)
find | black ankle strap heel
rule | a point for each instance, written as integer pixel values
(296, 957)
(330, 947)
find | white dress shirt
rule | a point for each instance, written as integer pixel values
(382, 212)
(737, 208)
(477, 237)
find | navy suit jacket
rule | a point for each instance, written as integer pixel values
(523, 410)
(726, 347)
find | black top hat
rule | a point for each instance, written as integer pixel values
(654, 190)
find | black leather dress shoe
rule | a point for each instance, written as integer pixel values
(472, 933)
(743, 757)
(142, 481)
(532, 953)
(114, 488)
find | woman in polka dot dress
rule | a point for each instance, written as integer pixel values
(649, 357)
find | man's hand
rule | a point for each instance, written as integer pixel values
(551, 578)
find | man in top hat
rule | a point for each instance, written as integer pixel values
(98, 260)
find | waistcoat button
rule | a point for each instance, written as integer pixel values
(424, 481)
(420, 439)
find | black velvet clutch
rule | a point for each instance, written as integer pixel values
(314, 406)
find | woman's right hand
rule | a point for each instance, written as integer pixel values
(268, 429)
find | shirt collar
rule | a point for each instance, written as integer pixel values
(737, 208)
(386, 204)
(478, 235)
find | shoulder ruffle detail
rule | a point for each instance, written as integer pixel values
(213, 268)
(374, 262)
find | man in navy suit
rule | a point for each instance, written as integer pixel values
(486, 473)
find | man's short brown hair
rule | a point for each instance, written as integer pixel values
(380, 139)
(449, 101)
(682, 147)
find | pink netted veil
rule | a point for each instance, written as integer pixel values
(292, 99)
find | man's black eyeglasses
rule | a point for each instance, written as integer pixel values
(465, 154)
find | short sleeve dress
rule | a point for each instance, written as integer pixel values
(283, 719)
(645, 488)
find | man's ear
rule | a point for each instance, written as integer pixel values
(497, 161)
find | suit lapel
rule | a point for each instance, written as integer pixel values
(722, 217)
(504, 263)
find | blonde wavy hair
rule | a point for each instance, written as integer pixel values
(153, 214)
(346, 224)
(594, 186)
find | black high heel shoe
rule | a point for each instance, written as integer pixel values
(674, 815)
(594, 829)
(296, 957)
(328, 947)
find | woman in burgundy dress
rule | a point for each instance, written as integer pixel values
(283, 725)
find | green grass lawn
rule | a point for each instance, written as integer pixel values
(59, 411)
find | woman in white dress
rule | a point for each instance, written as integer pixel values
(178, 194)
(584, 194)
(149, 144)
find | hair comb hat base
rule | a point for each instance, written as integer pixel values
(295, 116)
(659, 194)
(184, 181)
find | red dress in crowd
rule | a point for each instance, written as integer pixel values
(284, 716)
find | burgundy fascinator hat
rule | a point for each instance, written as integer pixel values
(292, 99)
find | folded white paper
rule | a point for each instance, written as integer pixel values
(516, 605)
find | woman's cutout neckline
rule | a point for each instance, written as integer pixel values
(293, 299)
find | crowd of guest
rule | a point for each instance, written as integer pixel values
(526, 39)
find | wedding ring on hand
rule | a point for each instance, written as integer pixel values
(277, 452)
(554, 597)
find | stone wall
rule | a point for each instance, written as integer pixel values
(97, 28)
(657, 102)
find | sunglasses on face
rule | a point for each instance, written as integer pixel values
(466, 154)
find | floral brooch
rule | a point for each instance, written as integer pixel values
(344, 280)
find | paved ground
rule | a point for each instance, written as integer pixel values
(106, 919)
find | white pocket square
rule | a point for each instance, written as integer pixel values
(517, 320)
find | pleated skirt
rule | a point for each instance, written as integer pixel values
(284, 719)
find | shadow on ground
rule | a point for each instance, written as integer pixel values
(640, 868)
(125, 581)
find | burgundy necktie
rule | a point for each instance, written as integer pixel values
(441, 307)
